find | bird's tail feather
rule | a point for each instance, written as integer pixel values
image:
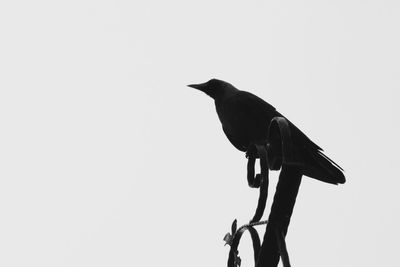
(321, 167)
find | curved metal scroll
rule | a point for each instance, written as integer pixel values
(279, 143)
(260, 180)
(255, 181)
(276, 154)
(234, 259)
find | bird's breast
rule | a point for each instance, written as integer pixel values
(241, 125)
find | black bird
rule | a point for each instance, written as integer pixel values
(245, 120)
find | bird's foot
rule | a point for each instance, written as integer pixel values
(252, 152)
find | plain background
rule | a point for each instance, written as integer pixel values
(108, 159)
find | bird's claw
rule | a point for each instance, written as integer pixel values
(251, 152)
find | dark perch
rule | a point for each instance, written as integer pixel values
(274, 155)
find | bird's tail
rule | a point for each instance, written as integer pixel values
(322, 168)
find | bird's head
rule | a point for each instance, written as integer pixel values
(214, 88)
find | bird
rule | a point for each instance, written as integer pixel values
(245, 120)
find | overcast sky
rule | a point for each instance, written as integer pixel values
(108, 159)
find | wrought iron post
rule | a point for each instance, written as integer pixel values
(276, 154)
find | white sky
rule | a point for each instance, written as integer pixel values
(108, 159)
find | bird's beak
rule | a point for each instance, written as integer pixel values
(200, 86)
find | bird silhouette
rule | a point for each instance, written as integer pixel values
(245, 120)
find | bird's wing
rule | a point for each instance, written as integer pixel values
(268, 111)
(299, 136)
(252, 103)
(317, 164)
